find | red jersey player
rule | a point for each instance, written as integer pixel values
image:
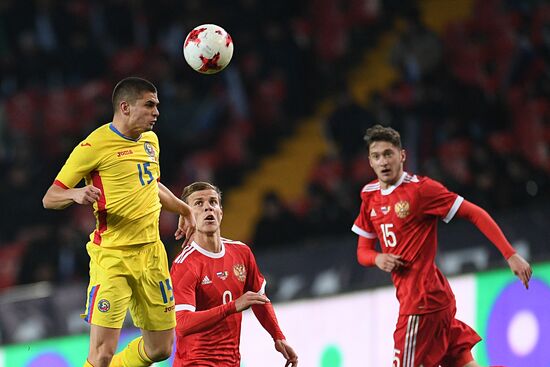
(401, 210)
(214, 280)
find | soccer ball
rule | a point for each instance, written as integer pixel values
(208, 48)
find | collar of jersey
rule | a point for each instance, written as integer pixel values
(112, 127)
(214, 255)
(390, 189)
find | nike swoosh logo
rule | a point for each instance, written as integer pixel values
(85, 144)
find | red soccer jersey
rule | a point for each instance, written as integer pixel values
(203, 280)
(404, 219)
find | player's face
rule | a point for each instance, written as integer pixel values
(387, 162)
(143, 113)
(207, 210)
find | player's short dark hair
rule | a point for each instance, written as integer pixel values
(130, 89)
(199, 186)
(381, 133)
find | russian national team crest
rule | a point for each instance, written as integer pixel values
(402, 209)
(103, 305)
(240, 272)
(150, 150)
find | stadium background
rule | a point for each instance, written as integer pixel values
(280, 131)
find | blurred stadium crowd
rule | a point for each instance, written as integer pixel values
(471, 103)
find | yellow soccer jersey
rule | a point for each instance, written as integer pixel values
(127, 173)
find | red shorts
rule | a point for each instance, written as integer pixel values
(433, 339)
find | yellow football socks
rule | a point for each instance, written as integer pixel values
(132, 356)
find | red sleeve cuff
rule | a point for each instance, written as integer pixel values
(366, 253)
(60, 184)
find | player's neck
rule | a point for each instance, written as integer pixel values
(386, 184)
(209, 242)
(124, 129)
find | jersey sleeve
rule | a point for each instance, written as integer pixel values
(255, 281)
(362, 225)
(184, 287)
(436, 199)
(83, 159)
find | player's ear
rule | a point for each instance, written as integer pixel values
(403, 155)
(124, 107)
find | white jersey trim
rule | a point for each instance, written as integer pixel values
(232, 241)
(390, 189)
(213, 255)
(458, 201)
(371, 187)
(185, 308)
(188, 250)
(362, 232)
(261, 292)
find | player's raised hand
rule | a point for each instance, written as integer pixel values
(521, 268)
(286, 350)
(388, 262)
(248, 299)
(86, 195)
(186, 228)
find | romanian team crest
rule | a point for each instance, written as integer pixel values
(240, 272)
(402, 209)
(103, 305)
(222, 274)
(149, 149)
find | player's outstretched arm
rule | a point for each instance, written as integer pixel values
(287, 351)
(59, 198)
(483, 221)
(186, 223)
(266, 316)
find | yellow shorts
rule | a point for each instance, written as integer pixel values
(136, 279)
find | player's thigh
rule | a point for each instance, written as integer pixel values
(109, 292)
(153, 306)
(421, 339)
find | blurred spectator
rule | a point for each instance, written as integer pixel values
(277, 225)
(326, 213)
(58, 255)
(348, 121)
(417, 53)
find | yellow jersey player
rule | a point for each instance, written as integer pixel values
(128, 264)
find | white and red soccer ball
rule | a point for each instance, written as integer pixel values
(208, 48)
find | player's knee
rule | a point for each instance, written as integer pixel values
(160, 353)
(101, 355)
(103, 359)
